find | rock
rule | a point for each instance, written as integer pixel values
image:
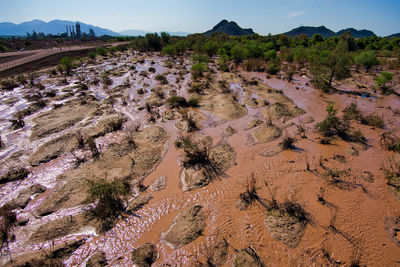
(230, 131)
(14, 174)
(139, 202)
(145, 255)
(25, 196)
(185, 126)
(219, 254)
(267, 133)
(53, 149)
(104, 126)
(367, 176)
(57, 120)
(254, 123)
(185, 228)
(97, 259)
(247, 257)
(285, 228)
(159, 184)
(352, 151)
(64, 226)
(194, 177)
(307, 120)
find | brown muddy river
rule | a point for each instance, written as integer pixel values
(348, 225)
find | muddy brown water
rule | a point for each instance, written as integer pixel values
(359, 214)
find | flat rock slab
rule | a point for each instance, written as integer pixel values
(159, 184)
(145, 255)
(247, 257)
(139, 202)
(185, 228)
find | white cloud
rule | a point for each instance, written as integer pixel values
(296, 14)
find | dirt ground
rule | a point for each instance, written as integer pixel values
(316, 201)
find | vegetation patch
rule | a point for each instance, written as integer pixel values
(266, 133)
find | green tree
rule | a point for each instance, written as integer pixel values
(367, 59)
(153, 41)
(327, 65)
(383, 80)
(169, 50)
(238, 53)
(165, 37)
(66, 65)
(211, 48)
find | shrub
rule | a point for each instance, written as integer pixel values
(373, 120)
(101, 51)
(392, 173)
(287, 143)
(390, 142)
(109, 205)
(367, 59)
(161, 78)
(383, 80)
(169, 50)
(199, 58)
(152, 69)
(140, 91)
(8, 85)
(193, 102)
(196, 153)
(176, 102)
(92, 55)
(351, 112)
(197, 88)
(254, 64)
(273, 68)
(197, 70)
(66, 65)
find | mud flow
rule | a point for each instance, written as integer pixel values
(131, 161)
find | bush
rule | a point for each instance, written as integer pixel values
(383, 80)
(101, 51)
(152, 69)
(197, 70)
(254, 64)
(196, 153)
(176, 102)
(109, 205)
(161, 78)
(287, 143)
(193, 102)
(8, 85)
(273, 68)
(169, 50)
(373, 120)
(367, 59)
(351, 112)
(92, 55)
(66, 65)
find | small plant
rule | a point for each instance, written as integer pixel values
(373, 120)
(161, 78)
(152, 70)
(196, 153)
(176, 102)
(106, 79)
(383, 80)
(392, 173)
(1, 144)
(197, 70)
(390, 142)
(193, 102)
(140, 91)
(8, 85)
(197, 88)
(109, 204)
(250, 195)
(351, 112)
(287, 143)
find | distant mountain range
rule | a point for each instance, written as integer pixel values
(230, 28)
(143, 33)
(56, 27)
(325, 32)
(52, 27)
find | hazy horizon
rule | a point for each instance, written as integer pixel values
(191, 16)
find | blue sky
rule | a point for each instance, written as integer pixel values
(264, 16)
